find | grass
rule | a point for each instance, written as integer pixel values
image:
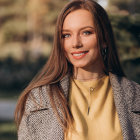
(7, 130)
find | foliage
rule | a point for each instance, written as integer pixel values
(131, 68)
(15, 30)
(130, 5)
(23, 21)
(7, 130)
(126, 29)
(16, 75)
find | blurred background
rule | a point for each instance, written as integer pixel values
(26, 36)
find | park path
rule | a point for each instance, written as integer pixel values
(7, 108)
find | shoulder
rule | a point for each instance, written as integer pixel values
(124, 82)
(129, 89)
(37, 99)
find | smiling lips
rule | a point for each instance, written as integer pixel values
(79, 54)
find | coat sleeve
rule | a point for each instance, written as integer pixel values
(24, 132)
(34, 101)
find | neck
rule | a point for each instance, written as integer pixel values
(85, 74)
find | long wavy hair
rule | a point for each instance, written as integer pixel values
(58, 66)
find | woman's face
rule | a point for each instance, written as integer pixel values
(80, 41)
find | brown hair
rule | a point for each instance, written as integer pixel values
(57, 66)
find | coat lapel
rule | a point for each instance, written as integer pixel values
(65, 84)
(121, 106)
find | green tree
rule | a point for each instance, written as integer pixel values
(130, 5)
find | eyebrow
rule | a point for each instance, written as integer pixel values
(80, 28)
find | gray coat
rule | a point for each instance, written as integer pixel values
(40, 123)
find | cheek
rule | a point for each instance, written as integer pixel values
(90, 42)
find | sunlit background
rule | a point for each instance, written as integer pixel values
(26, 35)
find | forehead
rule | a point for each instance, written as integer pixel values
(78, 19)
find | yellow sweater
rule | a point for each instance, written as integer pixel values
(94, 112)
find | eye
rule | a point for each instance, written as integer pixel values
(65, 35)
(87, 32)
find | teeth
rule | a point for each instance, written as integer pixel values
(78, 54)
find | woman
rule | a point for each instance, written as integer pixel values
(81, 93)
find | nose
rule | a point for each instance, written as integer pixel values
(76, 42)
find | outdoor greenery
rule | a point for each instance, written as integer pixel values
(126, 29)
(16, 75)
(130, 5)
(28, 25)
(7, 130)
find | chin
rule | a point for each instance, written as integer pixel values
(79, 65)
